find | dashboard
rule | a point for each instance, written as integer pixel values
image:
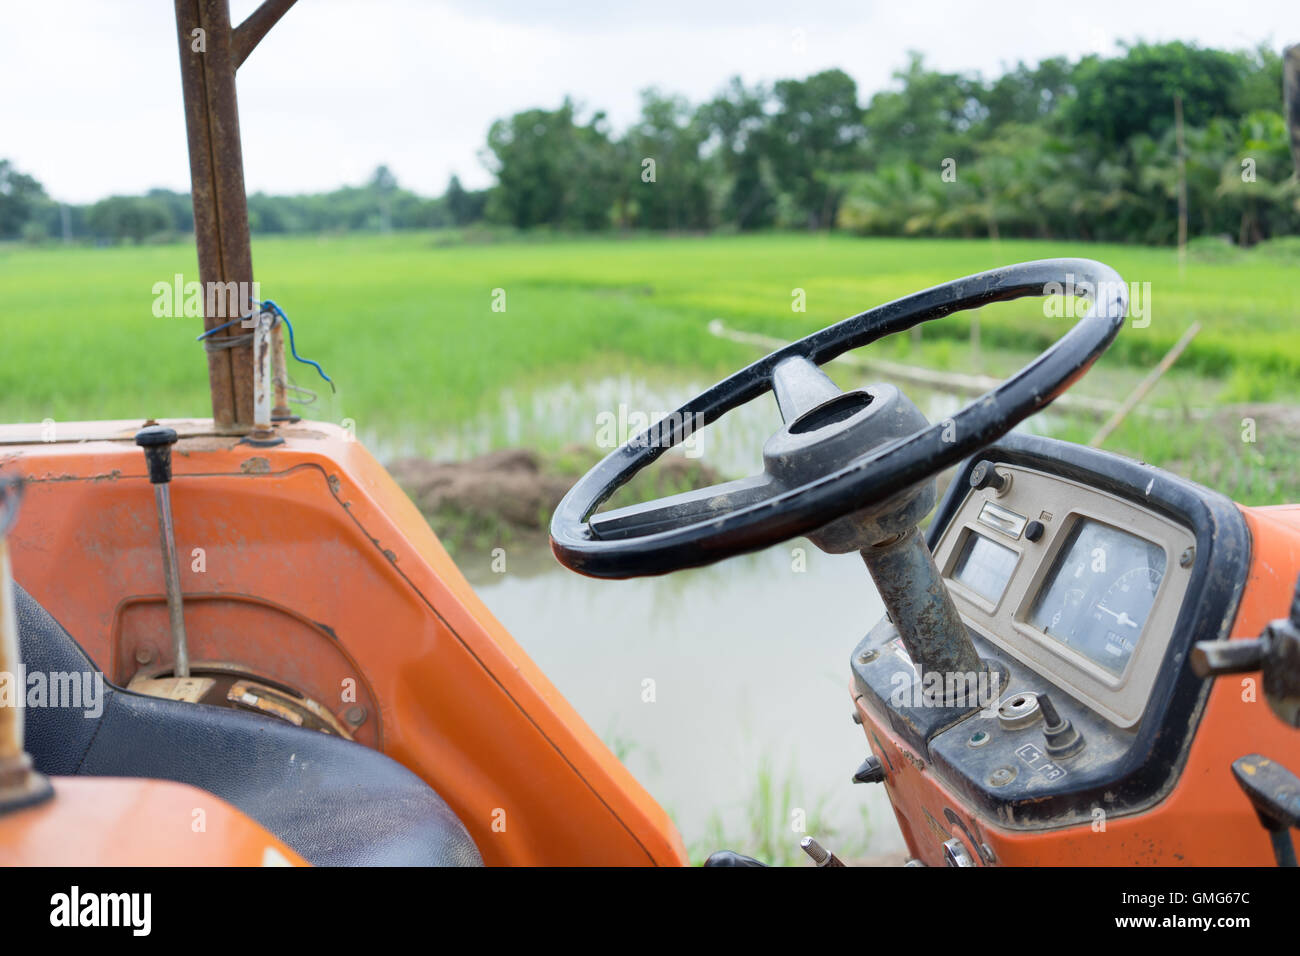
(1083, 577)
(1076, 582)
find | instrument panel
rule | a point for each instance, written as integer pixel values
(1082, 586)
(1083, 577)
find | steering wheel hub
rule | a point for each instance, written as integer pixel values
(828, 429)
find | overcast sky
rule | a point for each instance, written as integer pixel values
(90, 99)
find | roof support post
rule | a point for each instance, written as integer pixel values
(210, 52)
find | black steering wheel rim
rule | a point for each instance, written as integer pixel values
(876, 475)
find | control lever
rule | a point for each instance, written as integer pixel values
(1062, 739)
(20, 784)
(820, 855)
(157, 441)
(1274, 792)
(1276, 652)
(731, 858)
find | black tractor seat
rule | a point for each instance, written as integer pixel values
(335, 802)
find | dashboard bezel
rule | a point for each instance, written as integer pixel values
(1060, 504)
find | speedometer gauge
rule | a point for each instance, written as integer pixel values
(1123, 610)
(1099, 593)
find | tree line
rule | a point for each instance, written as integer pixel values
(1083, 149)
(27, 213)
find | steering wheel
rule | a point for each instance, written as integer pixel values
(838, 453)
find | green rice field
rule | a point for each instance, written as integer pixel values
(406, 325)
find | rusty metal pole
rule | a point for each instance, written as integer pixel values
(280, 376)
(210, 52)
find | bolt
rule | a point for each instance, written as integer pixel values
(356, 716)
(1002, 776)
(1185, 559)
(144, 655)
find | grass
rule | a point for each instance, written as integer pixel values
(405, 324)
(773, 822)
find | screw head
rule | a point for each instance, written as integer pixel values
(356, 716)
(1002, 776)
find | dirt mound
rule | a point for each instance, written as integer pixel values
(508, 485)
(512, 493)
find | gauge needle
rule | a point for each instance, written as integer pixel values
(1122, 617)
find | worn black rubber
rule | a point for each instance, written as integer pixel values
(877, 474)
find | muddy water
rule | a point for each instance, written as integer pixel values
(706, 679)
(712, 683)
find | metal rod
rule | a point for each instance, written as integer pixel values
(172, 572)
(11, 718)
(258, 23)
(1283, 848)
(280, 376)
(20, 784)
(820, 855)
(262, 371)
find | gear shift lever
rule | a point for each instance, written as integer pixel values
(20, 785)
(157, 441)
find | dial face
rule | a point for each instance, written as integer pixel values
(1100, 591)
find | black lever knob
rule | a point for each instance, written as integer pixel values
(157, 441)
(1062, 739)
(871, 771)
(731, 858)
(1276, 653)
(1274, 792)
(984, 475)
(1214, 658)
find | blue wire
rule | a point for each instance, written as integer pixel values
(200, 338)
(268, 304)
(279, 313)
